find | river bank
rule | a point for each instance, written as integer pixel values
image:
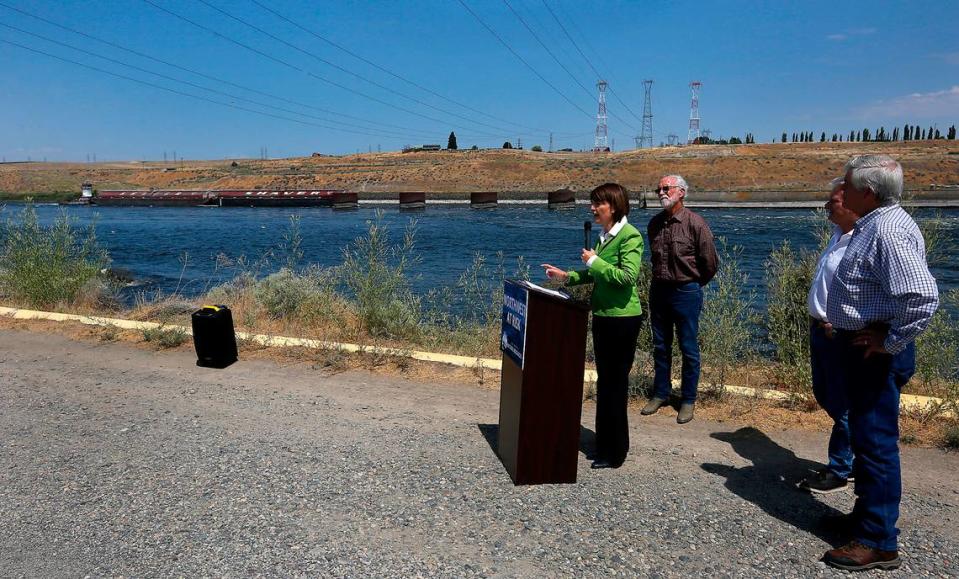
(783, 171)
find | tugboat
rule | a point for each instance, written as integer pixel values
(86, 195)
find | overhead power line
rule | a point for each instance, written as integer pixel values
(407, 132)
(182, 93)
(201, 74)
(588, 61)
(350, 72)
(387, 71)
(299, 69)
(558, 61)
(521, 59)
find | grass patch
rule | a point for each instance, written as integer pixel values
(950, 437)
(165, 337)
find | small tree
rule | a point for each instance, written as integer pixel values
(929, 134)
(451, 142)
(951, 134)
(865, 135)
(784, 137)
(507, 145)
(822, 137)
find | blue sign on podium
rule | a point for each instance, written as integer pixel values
(513, 339)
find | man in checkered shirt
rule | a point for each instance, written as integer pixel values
(881, 298)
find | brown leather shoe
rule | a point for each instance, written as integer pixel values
(857, 557)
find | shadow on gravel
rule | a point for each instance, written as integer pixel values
(770, 483)
(491, 434)
(587, 438)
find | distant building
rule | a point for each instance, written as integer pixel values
(431, 147)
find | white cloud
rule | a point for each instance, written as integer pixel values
(942, 103)
(841, 36)
(948, 57)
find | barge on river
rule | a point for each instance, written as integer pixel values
(216, 198)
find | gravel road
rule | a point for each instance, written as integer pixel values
(116, 461)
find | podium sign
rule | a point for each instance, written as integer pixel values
(541, 385)
(513, 336)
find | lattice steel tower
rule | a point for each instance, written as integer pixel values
(602, 131)
(646, 135)
(694, 113)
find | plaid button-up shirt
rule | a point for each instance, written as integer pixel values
(884, 278)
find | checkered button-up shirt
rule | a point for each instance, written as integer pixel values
(884, 278)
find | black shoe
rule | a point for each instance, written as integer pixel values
(824, 482)
(602, 463)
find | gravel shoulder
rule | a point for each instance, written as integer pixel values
(115, 461)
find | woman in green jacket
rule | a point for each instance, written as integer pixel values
(613, 268)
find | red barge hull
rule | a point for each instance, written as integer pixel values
(215, 198)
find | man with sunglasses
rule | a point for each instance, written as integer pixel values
(684, 260)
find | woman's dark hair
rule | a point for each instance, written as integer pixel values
(614, 194)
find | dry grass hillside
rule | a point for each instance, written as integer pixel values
(773, 167)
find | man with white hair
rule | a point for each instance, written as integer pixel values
(684, 260)
(881, 298)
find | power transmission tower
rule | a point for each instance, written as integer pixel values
(646, 136)
(600, 143)
(693, 133)
(551, 142)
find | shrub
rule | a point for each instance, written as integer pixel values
(287, 293)
(789, 276)
(726, 325)
(165, 336)
(375, 271)
(45, 266)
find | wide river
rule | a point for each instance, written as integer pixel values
(151, 242)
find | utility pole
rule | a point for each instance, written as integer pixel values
(693, 133)
(600, 142)
(646, 136)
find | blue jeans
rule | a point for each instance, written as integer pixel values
(872, 388)
(830, 392)
(679, 306)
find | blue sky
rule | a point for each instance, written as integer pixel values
(766, 67)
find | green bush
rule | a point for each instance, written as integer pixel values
(726, 326)
(45, 266)
(375, 271)
(287, 293)
(788, 278)
(165, 336)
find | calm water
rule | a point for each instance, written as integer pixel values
(151, 242)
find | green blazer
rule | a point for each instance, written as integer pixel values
(613, 274)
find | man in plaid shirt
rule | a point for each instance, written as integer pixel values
(881, 298)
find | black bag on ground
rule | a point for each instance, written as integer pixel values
(213, 336)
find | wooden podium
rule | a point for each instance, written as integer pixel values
(541, 395)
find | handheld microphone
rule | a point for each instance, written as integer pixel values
(587, 234)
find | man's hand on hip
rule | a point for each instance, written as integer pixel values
(872, 339)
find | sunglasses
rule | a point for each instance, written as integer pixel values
(665, 189)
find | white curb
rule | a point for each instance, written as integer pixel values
(906, 401)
